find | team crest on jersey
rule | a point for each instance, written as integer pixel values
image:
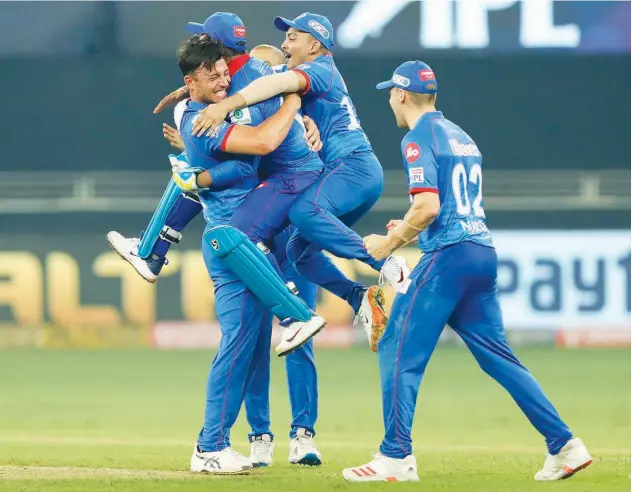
(412, 152)
(416, 175)
(240, 116)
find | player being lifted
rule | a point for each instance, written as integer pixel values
(287, 172)
(353, 177)
(300, 364)
(454, 283)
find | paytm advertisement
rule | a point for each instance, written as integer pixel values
(574, 283)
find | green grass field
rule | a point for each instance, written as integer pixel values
(127, 420)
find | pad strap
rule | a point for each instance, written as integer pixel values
(170, 235)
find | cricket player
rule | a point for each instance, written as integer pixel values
(454, 283)
(287, 171)
(353, 177)
(246, 325)
(300, 364)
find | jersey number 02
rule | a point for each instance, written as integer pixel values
(459, 188)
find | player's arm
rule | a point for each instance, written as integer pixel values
(266, 137)
(422, 187)
(219, 177)
(259, 90)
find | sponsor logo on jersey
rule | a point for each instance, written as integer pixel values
(220, 128)
(239, 31)
(412, 152)
(416, 175)
(426, 75)
(318, 27)
(399, 80)
(465, 150)
(240, 116)
(303, 66)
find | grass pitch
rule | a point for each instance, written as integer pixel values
(127, 420)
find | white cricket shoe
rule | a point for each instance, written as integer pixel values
(384, 469)
(395, 271)
(572, 458)
(303, 449)
(296, 333)
(262, 450)
(372, 316)
(226, 461)
(127, 248)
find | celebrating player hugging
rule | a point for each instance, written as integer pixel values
(281, 168)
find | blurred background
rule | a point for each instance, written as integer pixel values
(541, 86)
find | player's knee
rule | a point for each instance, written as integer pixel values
(302, 212)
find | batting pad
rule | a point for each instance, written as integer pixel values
(252, 267)
(157, 222)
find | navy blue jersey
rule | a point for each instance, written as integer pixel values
(293, 154)
(439, 157)
(326, 100)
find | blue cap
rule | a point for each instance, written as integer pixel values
(227, 28)
(317, 25)
(413, 76)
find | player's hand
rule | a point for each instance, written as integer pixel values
(393, 223)
(312, 134)
(186, 178)
(172, 99)
(208, 119)
(377, 246)
(172, 136)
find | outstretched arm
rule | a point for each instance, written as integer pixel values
(259, 90)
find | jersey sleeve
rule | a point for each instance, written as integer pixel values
(421, 166)
(228, 173)
(319, 77)
(214, 142)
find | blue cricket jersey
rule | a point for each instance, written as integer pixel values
(439, 157)
(326, 100)
(207, 152)
(293, 154)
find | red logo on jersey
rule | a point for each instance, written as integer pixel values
(426, 75)
(239, 31)
(412, 152)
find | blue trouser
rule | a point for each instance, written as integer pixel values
(456, 286)
(245, 345)
(183, 211)
(300, 364)
(265, 211)
(322, 216)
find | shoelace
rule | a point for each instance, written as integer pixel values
(389, 266)
(261, 446)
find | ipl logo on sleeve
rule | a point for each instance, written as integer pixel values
(416, 175)
(412, 152)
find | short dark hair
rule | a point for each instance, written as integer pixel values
(199, 50)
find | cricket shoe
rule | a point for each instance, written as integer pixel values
(372, 316)
(395, 271)
(261, 450)
(127, 248)
(384, 469)
(226, 461)
(572, 458)
(303, 449)
(296, 333)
